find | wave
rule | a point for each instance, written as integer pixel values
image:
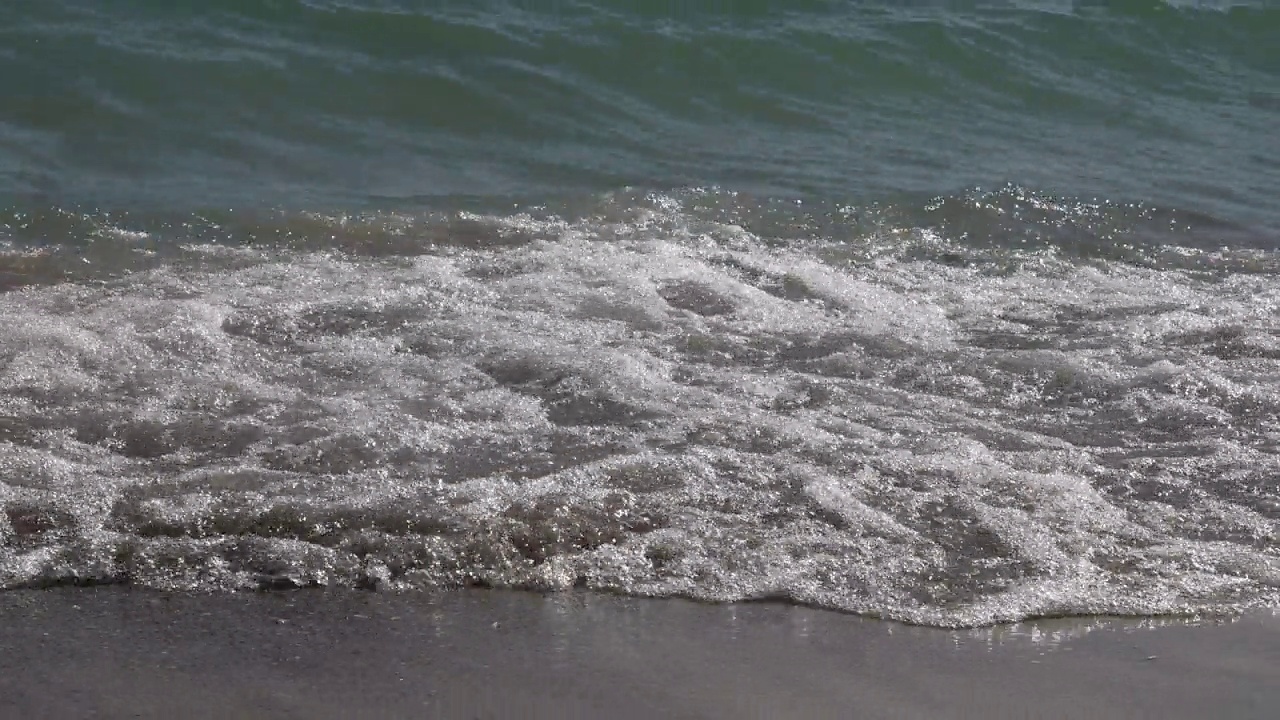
(356, 105)
(693, 395)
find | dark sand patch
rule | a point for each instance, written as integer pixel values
(121, 653)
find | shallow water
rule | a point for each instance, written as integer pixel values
(655, 398)
(948, 315)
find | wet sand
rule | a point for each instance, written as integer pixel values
(121, 653)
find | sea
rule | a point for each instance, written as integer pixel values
(947, 313)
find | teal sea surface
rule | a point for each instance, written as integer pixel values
(951, 313)
(128, 104)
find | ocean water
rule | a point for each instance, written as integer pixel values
(948, 314)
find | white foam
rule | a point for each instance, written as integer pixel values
(654, 407)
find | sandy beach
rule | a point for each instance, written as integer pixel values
(113, 652)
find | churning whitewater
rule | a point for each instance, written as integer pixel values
(655, 398)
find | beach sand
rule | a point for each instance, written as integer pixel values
(113, 652)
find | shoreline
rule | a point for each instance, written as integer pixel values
(114, 652)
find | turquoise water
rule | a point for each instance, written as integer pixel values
(328, 105)
(924, 311)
